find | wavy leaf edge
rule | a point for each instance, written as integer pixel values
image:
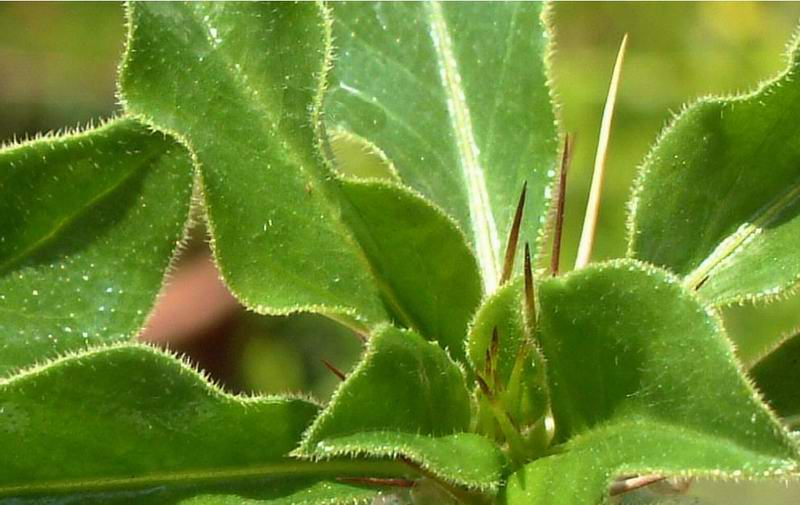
(791, 58)
(711, 311)
(84, 132)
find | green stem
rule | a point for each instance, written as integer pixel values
(286, 469)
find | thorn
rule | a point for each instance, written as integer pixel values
(378, 481)
(335, 371)
(484, 387)
(702, 281)
(512, 421)
(513, 238)
(629, 484)
(495, 349)
(360, 331)
(495, 345)
(530, 299)
(566, 158)
(488, 364)
(593, 205)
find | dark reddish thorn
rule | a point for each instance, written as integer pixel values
(495, 346)
(566, 157)
(484, 387)
(530, 301)
(494, 349)
(702, 281)
(512, 421)
(491, 352)
(627, 485)
(513, 238)
(335, 371)
(378, 481)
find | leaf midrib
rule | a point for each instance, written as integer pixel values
(289, 468)
(737, 241)
(482, 217)
(56, 229)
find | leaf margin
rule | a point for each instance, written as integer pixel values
(791, 57)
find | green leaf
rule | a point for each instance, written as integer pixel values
(434, 281)
(456, 96)
(626, 343)
(88, 225)
(501, 310)
(407, 398)
(517, 373)
(581, 474)
(129, 423)
(643, 381)
(287, 235)
(357, 157)
(777, 376)
(718, 199)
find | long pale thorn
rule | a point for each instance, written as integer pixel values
(593, 205)
(629, 484)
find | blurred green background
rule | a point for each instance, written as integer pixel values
(58, 64)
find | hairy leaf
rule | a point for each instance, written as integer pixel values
(431, 276)
(356, 157)
(501, 311)
(777, 376)
(456, 96)
(129, 423)
(516, 371)
(626, 343)
(286, 234)
(581, 474)
(88, 225)
(406, 398)
(718, 199)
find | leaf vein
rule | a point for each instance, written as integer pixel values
(483, 223)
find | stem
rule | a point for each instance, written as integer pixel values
(285, 469)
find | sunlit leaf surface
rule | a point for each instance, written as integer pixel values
(643, 381)
(455, 94)
(89, 223)
(719, 195)
(131, 424)
(240, 82)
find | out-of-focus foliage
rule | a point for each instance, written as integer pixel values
(58, 64)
